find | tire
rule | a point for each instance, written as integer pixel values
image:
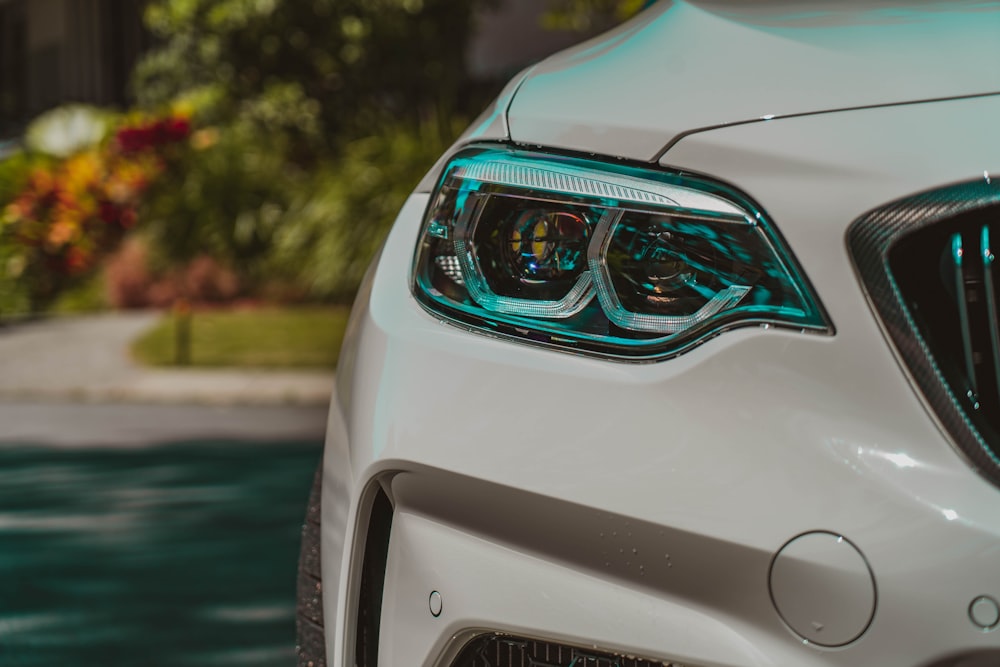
(310, 641)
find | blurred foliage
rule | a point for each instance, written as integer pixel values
(236, 197)
(224, 197)
(62, 212)
(302, 337)
(588, 16)
(132, 281)
(13, 292)
(337, 221)
(314, 120)
(321, 71)
(13, 175)
(87, 296)
(276, 142)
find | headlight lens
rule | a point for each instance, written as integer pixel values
(602, 258)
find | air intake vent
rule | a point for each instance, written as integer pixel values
(929, 266)
(947, 278)
(372, 580)
(500, 650)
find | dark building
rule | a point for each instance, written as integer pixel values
(54, 52)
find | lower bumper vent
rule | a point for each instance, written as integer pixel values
(500, 650)
(372, 581)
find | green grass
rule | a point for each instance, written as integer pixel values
(85, 297)
(306, 337)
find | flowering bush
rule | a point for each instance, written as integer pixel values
(70, 212)
(153, 134)
(132, 280)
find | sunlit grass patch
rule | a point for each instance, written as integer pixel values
(305, 337)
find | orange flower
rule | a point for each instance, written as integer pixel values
(61, 233)
(77, 260)
(71, 212)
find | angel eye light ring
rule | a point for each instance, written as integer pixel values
(575, 300)
(622, 317)
(730, 269)
(479, 289)
(595, 282)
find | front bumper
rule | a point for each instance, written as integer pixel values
(638, 508)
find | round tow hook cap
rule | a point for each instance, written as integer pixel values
(823, 588)
(435, 603)
(984, 612)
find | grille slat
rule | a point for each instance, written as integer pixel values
(989, 260)
(975, 300)
(956, 312)
(960, 272)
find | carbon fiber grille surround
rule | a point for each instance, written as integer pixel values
(928, 321)
(501, 650)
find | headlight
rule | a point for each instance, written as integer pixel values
(600, 257)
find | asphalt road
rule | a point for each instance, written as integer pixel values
(151, 535)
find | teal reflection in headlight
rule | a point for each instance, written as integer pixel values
(610, 259)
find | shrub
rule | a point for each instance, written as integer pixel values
(337, 222)
(69, 211)
(127, 278)
(132, 280)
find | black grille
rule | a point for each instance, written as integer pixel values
(928, 264)
(946, 276)
(500, 650)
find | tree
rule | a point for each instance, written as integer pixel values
(313, 120)
(320, 71)
(589, 16)
(289, 98)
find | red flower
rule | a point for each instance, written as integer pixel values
(128, 218)
(175, 128)
(122, 215)
(77, 260)
(108, 212)
(134, 139)
(152, 134)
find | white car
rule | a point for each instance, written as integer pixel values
(686, 353)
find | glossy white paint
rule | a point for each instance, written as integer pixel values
(639, 506)
(721, 456)
(684, 65)
(339, 512)
(823, 589)
(814, 175)
(479, 576)
(491, 125)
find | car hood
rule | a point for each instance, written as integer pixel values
(681, 67)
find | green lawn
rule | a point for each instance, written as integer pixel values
(306, 337)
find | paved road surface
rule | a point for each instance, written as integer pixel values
(121, 425)
(152, 535)
(86, 359)
(181, 555)
(147, 518)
